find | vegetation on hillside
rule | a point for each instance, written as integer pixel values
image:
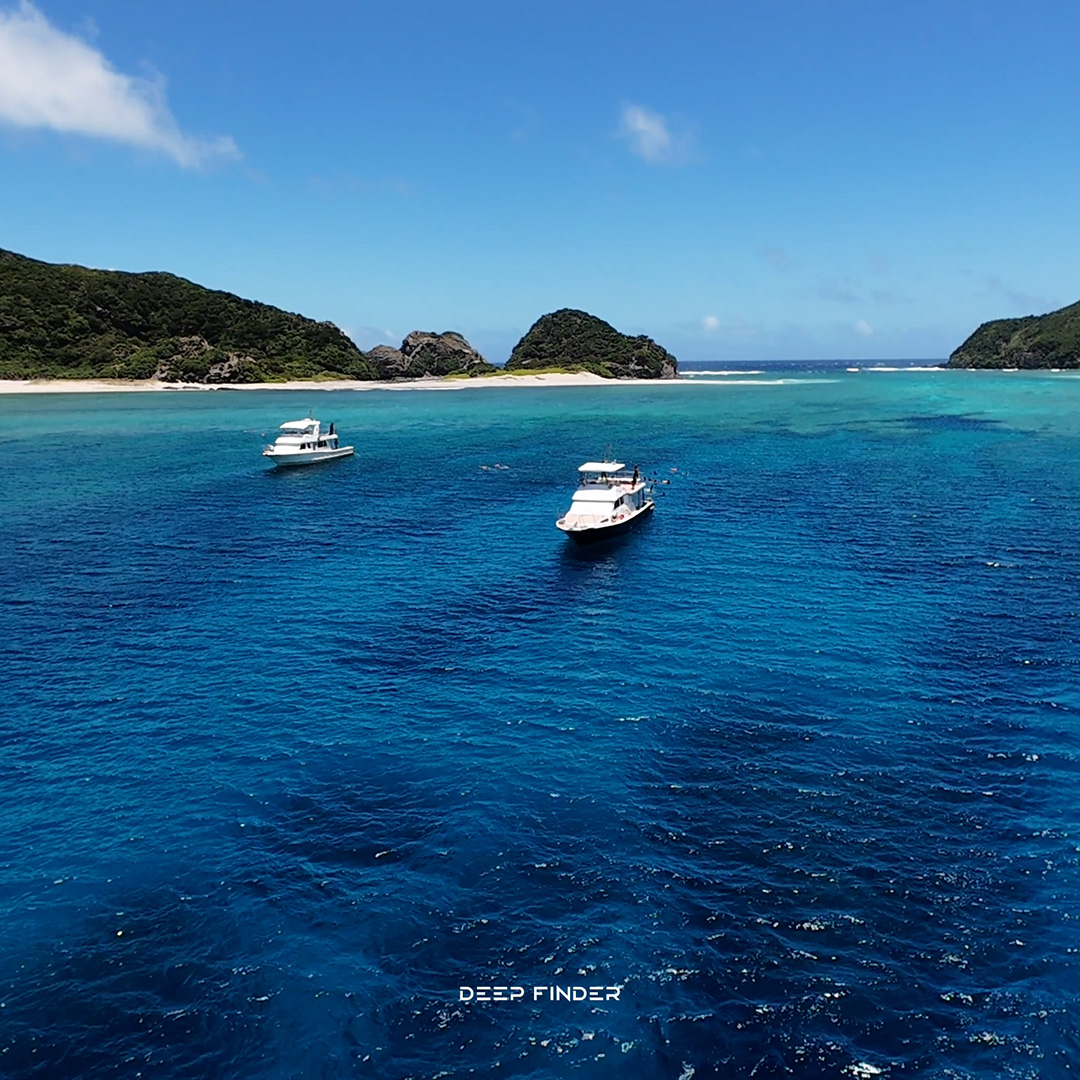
(577, 341)
(1033, 341)
(73, 322)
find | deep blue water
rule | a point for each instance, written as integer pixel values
(289, 757)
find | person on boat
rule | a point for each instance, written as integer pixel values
(635, 474)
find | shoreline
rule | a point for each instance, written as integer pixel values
(99, 386)
(449, 382)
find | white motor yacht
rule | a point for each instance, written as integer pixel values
(303, 442)
(607, 503)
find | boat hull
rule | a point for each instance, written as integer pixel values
(597, 535)
(307, 457)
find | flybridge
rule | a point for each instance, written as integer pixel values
(601, 466)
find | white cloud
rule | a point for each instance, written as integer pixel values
(864, 328)
(711, 322)
(50, 79)
(650, 136)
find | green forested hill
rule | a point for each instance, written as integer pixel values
(576, 339)
(1034, 341)
(72, 322)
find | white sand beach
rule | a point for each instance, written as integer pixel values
(98, 386)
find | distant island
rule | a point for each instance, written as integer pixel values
(572, 340)
(1032, 341)
(71, 322)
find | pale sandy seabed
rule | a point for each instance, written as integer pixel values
(97, 386)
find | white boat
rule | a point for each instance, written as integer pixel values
(303, 442)
(607, 503)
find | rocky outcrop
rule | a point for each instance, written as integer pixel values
(186, 359)
(443, 354)
(194, 359)
(579, 341)
(1033, 341)
(389, 363)
(230, 370)
(426, 355)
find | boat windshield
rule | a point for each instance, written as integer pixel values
(604, 495)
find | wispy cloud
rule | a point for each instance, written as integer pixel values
(1020, 300)
(838, 291)
(777, 257)
(863, 328)
(341, 182)
(710, 323)
(653, 137)
(54, 80)
(367, 337)
(888, 297)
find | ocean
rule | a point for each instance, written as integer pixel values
(307, 773)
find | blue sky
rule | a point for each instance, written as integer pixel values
(739, 180)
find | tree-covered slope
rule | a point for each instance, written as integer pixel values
(1034, 341)
(578, 340)
(73, 322)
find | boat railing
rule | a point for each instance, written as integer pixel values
(607, 479)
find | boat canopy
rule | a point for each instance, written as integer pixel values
(299, 425)
(601, 466)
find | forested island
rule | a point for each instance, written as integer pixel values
(577, 341)
(71, 322)
(1032, 341)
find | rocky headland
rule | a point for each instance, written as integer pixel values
(1032, 341)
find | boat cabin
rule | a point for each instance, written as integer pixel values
(604, 490)
(304, 442)
(306, 435)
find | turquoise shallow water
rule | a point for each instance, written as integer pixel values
(289, 757)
